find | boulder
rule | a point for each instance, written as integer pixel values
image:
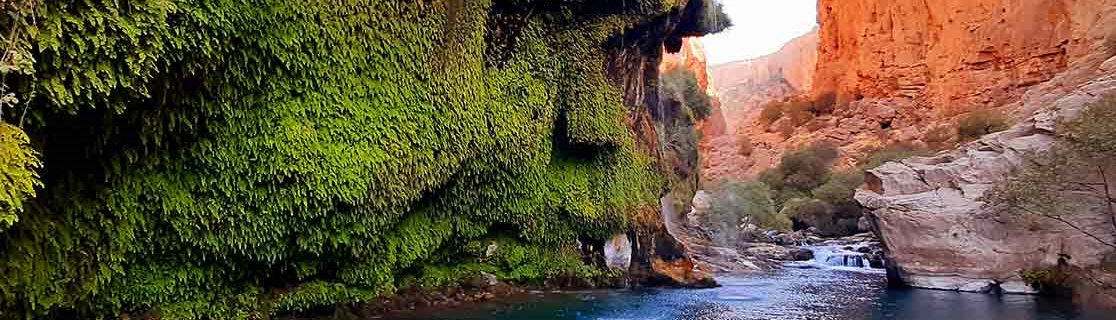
(931, 218)
(618, 252)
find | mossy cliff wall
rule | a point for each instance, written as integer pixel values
(235, 159)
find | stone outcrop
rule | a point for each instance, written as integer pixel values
(931, 218)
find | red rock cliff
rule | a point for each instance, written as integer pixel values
(953, 54)
(744, 85)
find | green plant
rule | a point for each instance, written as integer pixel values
(807, 168)
(19, 177)
(233, 147)
(1047, 281)
(317, 295)
(680, 84)
(737, 203)
(979, 123)
(890, 153)
(1055, 184)
(808, 191)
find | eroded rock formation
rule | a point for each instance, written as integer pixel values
(904, 72)
(956, 55)
(931, 217)
(744, 86)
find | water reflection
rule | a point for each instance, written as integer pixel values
(790, 294)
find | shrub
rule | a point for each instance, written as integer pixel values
(680, 84)
(1066, 179)
(807, 168)
(799, 112)
(786, 129)
(840, 187)
(824, 103)
(744, 143)
(1047, 281)
(816, 125)
(738, 203)
(1094, 133)
(805, 213)
(938, 138)
(979, 123)
(771, 112)
(892, 153)
(838, 192)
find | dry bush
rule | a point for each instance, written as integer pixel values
(771, 112)
(824, 103)
(799, 112)
(979, 123)
(816, 125)
(745, 145)
(939, 137)
(786, 129)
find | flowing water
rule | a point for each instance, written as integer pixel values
(836, 285)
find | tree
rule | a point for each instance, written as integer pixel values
(736, 204)
(1077, 171)
(680, 84)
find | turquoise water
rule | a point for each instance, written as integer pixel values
(837, 294)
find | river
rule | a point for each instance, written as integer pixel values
(818, 290)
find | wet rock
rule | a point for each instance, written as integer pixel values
(618, 252)
(802, 254)
(931, 216)
(482, 280)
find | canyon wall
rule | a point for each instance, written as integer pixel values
(903, 72)
(902, 69)
(744, 85)
(956, 55)
(939, 232)
(906, 72)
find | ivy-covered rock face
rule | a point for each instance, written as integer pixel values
(233, 159)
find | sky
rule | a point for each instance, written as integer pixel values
(759, 27)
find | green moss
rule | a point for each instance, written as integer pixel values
(238, 145)
(318, 294)
(1047, 281)
(19, 175)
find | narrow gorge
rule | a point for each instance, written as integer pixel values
(962, 95)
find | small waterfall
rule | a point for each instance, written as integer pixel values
(838, 257)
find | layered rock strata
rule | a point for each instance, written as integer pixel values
(938, 234)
